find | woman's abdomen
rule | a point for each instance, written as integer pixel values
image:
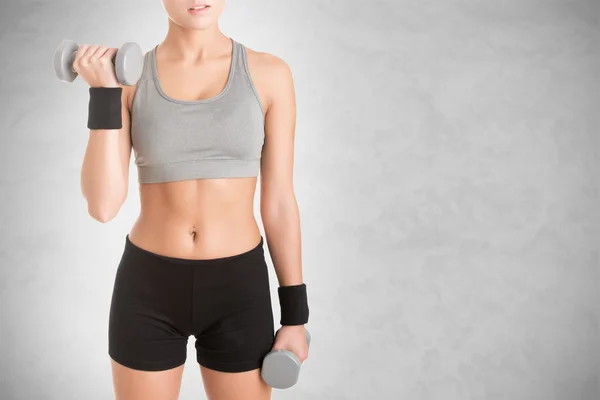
(200, 219)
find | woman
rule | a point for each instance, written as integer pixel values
(205, 118)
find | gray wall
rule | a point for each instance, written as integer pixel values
(447, 171)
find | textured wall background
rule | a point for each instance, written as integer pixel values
(447, 170)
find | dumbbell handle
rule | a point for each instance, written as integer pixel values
(307, 336)
(72, 60)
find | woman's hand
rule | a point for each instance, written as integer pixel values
(94, 64)
(292, 338)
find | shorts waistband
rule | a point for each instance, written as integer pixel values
(256, 251)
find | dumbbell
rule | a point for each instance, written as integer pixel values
(281, 368)
(128, 62)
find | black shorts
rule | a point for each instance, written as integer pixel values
(159, 301)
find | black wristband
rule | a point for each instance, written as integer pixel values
(293, 303)
(105, 108)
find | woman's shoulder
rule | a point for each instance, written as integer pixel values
(270, 71)
(267, 62)
(271, 75)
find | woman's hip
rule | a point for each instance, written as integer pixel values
(187, 291)
(159, 301)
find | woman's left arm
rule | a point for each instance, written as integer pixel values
(278, 206)
(279, 209)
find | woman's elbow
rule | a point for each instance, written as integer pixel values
(101, 214)
(104, 211)
(279, 207)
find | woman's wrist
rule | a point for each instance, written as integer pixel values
(104, 108)
(293, 302)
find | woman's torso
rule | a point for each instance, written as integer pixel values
(188, 217)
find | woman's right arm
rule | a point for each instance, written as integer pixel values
(105, 168)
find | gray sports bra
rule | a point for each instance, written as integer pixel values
(219, 137)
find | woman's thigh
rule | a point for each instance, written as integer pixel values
(234, 386)
(131, 384)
